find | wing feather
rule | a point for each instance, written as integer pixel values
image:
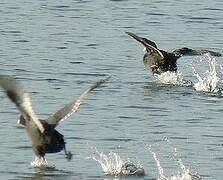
(149, 47)
(194, 52)
(20, 98)
(72, 107)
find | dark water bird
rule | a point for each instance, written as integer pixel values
(42, 133)
(159, 61)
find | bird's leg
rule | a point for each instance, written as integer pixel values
(43, 160)
(38, 159)
(68, 154)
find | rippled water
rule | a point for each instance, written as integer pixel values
(58, 48)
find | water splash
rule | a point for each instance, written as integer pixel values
(174, 78)
(184, 173)
(159, 166)
(208, 81)
(39, 162)
(113, 164)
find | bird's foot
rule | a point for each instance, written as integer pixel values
(68, 155)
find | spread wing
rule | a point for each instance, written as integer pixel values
(193, 52)
(149, 45)
(14, 90)
(156, 52)
(72, 107)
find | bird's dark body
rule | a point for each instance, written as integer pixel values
(158, 65)
(42, 133)
(159, 61)
(51, 141)
(54, 142)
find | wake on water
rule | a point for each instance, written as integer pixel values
(208, 81)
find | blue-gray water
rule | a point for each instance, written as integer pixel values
(59, 48)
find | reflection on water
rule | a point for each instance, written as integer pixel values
(46, 173)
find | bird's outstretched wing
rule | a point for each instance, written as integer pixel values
(149, 45)
(17, 95)
(72, 107)
(194, 52)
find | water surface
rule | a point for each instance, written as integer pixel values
(59, 48)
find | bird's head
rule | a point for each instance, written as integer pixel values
(142, 40)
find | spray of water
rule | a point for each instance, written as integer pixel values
(159, 166)
(183, 174)
(174, 78)
(208, 81)
(113, 164)
(39, 162)
(169, 78)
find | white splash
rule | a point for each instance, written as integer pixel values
(112, 164)
(174, 78)
(169, 77)
(39, 162)
(208, 81)
(183, 174)
(160, 168)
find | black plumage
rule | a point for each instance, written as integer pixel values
(159, 61)
(43, 135)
